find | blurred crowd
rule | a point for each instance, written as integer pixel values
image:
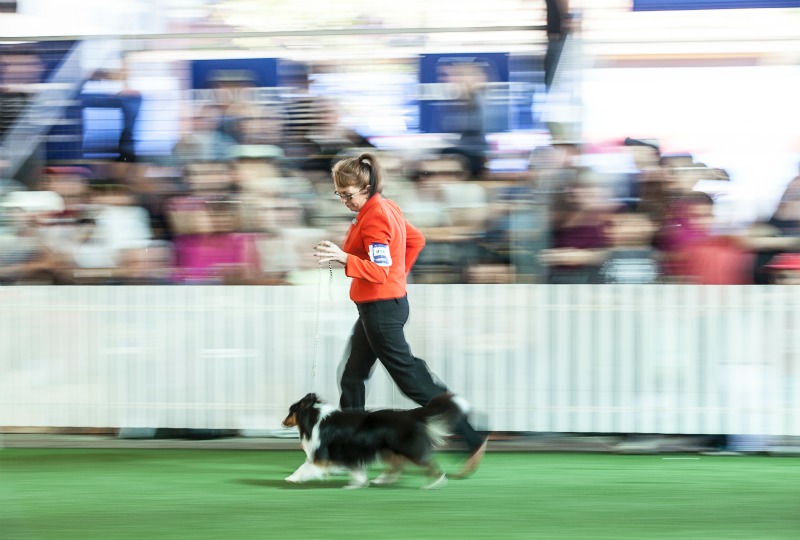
(246, 194)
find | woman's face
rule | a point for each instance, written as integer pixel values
(353, 198)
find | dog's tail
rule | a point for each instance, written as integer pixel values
(441, 415)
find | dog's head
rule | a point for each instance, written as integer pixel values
(298, 411)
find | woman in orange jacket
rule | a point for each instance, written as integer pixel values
(378, 252)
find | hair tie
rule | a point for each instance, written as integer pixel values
(371, 177)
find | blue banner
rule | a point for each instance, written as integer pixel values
(443, 76)
(250, 72)
(679, 5)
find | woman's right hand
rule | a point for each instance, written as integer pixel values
(327, 251)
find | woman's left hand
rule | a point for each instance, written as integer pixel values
(327, 251)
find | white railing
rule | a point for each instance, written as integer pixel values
(636, 359)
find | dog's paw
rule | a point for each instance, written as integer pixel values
(437, 483)
(386, 478)
(305, 472)
(358, 479)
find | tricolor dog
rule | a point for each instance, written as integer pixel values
(355, 439)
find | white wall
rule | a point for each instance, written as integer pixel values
(670, 359)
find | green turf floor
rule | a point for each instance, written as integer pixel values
(64, 494)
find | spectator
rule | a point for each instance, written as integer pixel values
(24, 255)
(451, 227)
(577, 228)
(205, 228)
(303, 113)
(514, 232)
(520, 226)
(693, 253)
(642, 189)
(256, 169)
(150, 264)
(66, 228)
(71, 183)
(118, 223)
(660, 185)
(110, 89)
(784, 269)
(209, 178)
(260, 126)
(781, 233)
(630, 257)
(687, 220)
(211, 249)
(467, 114)
(186, 213)
(204, 141)
(282, 236)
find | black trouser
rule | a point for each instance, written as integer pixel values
(378, 335)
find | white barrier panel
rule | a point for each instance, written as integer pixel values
(636, 359)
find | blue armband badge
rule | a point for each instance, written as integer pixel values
(379, 254)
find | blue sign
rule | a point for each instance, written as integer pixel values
(444, 105)
(678, 5)
(249, 72)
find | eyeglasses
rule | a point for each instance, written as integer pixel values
(346, 197)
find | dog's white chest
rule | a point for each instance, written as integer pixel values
(308, 448)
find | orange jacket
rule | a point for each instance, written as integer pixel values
(382, 247)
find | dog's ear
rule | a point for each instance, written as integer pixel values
(309, 400)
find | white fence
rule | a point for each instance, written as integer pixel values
(667, 359)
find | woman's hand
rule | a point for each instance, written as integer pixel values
(327, 251)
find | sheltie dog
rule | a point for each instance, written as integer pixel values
(334, 439)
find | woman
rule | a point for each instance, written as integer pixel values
(578, 221)
(378, 252)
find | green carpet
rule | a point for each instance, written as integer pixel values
(62, 494)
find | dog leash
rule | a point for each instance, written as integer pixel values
(316, 320)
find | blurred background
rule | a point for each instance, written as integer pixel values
(619, 146)
(533, 141)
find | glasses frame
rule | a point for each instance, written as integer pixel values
(347, 197)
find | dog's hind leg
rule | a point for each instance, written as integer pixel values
(432, 470)
(437, 476)
(394, 469)
(358, 479)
